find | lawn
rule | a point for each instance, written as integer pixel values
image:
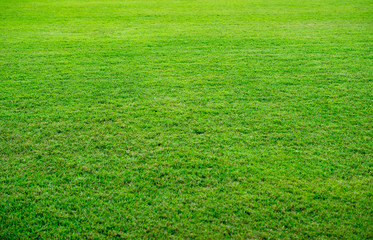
(186, 119)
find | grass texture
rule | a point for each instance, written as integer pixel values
(186, 119)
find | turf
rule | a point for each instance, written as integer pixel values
(186, 119)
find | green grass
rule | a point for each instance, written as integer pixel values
(187, 119)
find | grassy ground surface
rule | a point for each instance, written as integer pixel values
(186, 119)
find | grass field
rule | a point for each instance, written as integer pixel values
(186, 119)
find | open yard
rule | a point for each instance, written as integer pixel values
(186, 119)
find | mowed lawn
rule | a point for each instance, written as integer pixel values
(186, 119)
